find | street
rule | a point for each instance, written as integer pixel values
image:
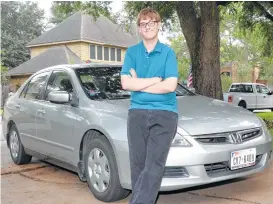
(40, 182)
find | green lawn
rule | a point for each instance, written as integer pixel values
(268, 117)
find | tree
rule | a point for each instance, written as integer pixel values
(21, 23)
(245, 45)
(63, 9)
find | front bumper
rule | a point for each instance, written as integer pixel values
(197, 162)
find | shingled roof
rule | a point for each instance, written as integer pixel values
(53, 56)
(82, 27)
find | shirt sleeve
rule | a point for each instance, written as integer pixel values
(171, 67)
(127, 64)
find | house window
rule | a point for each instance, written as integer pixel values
(113, 54)
(119, 55)
(106, 53)
(92, 52)
(99, 52)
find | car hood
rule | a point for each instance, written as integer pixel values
(202, 115)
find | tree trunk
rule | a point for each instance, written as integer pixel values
(203, 40)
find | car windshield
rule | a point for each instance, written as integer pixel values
(101, 83)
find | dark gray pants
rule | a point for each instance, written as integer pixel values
(150, 133)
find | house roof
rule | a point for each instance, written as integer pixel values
(53, 56)
(82, 27)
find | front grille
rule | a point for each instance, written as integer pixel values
(229, 138)
(174, 172)
(221, 168)
(250, 134)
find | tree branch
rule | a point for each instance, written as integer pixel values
(263, 10)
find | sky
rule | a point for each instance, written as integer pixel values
(115, 5)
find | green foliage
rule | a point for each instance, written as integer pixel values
(4, 77)
(226, 83)
(21, 22)
(244, 45)
(63, 9)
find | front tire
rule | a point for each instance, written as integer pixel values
(101, 170)
(16, 148)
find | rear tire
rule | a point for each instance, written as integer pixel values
(242, 104)
(102, 170)
(16, 148)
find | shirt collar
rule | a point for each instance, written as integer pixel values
(158, 47)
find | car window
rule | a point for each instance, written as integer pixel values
(35, 88)
(262, 89)
(243, 88)
(59, 81)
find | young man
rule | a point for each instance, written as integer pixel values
(150, 73)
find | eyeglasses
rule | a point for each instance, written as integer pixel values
(150, 23)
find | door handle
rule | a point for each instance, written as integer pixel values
(41, 111)
(18, 106)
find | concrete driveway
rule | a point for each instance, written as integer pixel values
(40, 182)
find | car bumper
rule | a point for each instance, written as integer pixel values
(201, 172)
(190, 163)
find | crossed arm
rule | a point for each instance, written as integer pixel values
(153, 85)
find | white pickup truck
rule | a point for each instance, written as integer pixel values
(251, 96)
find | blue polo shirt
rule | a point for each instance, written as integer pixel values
(161, 62)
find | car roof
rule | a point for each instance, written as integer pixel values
(80, 66)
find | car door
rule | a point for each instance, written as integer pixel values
(27, 105)
(56, 122)
(264, 100)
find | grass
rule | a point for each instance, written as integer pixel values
(1, 111)
(268, 118)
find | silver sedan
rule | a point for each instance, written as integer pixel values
(75, 116)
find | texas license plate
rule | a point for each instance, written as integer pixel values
(243, 158)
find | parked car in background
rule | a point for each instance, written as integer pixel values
(75, 116)
(251, 96)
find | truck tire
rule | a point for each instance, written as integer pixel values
(101, 170)
(242, 104)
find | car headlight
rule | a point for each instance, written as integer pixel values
(180, 141)
(264, 126)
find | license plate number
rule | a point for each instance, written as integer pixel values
(243, 158)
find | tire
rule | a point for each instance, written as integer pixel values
(242, 104)
(16, 148)
(108, 191)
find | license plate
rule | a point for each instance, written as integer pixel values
(243, 158)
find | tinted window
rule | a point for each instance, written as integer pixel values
(59, 81)
(241, 88)
(36, 86)
(104, 83)
(106, 53)
(99, 52)
(262, 89)
(92, 52)
(119, 55)
(113, 54)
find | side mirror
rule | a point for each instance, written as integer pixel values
(59, 97)
(192, 89)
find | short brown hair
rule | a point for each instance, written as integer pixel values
(148, 13)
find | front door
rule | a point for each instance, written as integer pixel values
(56, 122)
(264, 100)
